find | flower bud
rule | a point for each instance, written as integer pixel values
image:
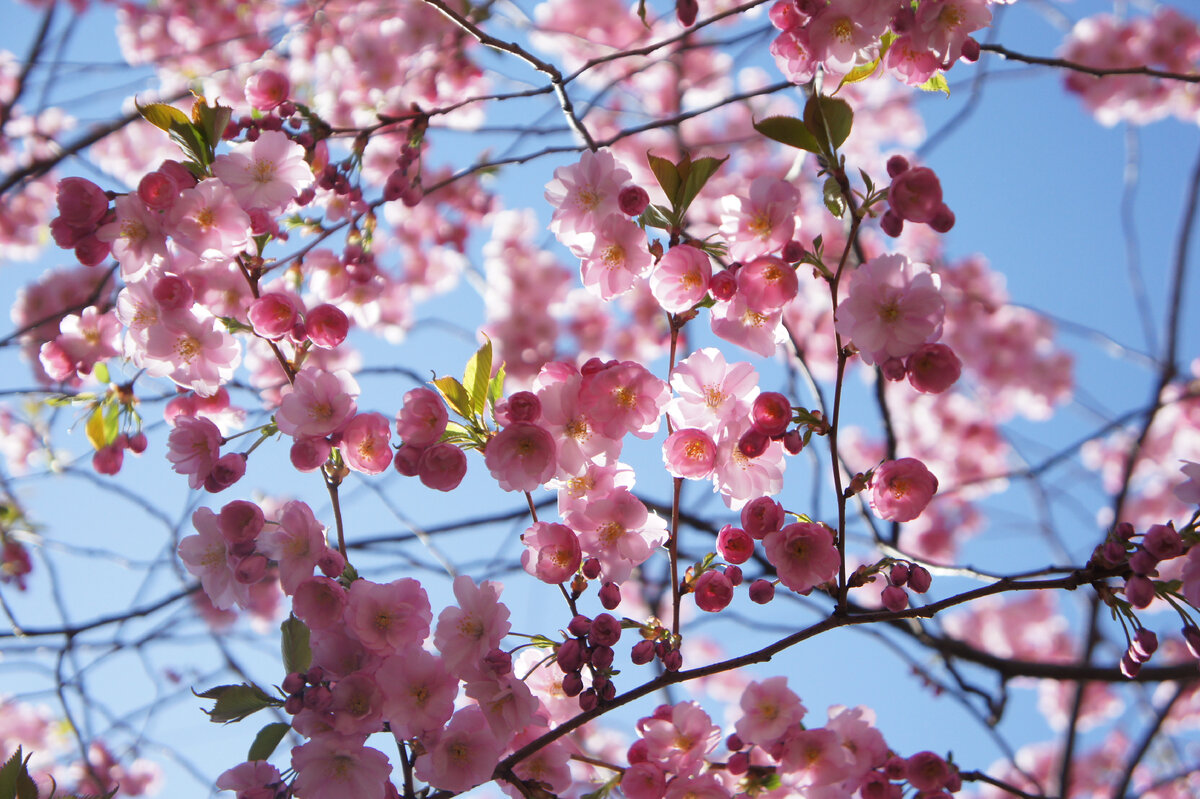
(610, 596)
(762, 591)
(633, 200)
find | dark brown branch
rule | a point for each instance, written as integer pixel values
(1099, 72)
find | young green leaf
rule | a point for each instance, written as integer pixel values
(211, 120)
(100, 370)
(95, 428)
(15, 781)
(477, 376)
(833, 198)
(698, 174)
(112, 422)
(455, 395)
(297, 654)
(162, 116)
(236, 702)
(658, 217)
(789, 131)
(496, 388)
(667, 176)
(829, 119)
(267, 739)
(936, 84)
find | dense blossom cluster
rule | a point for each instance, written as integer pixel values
(257, 255)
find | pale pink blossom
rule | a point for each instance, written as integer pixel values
(803, 554)
(1188, 492)
(579, 442)
(585, 193)
(521, 457)
(710, 393)
(366, 443)
(418, 692)
(615, 256)
(318, 403)
(206, 555)
(422, 418)
(901, 489)
(193, 351)
(893, 308)
(740, 478)
(319, 602)
(736, 322)
(506, 702)
(467, 633)
(267, 88)
(690, 453)
(463, 755)
(265, 174)
(194, 445)
(136, 236)
(769, 707)
(623, 398)
(942, 26)
(297, 543)
(208, 221)
(814, 757)
(389, 617)
(678, 737)
(617, 529)
(767, 283)
(551, 553)
(762, 223)
(680, 279)
(273, 315)
(255, 779)
(332, 766)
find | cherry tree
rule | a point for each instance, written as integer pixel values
(568, 399)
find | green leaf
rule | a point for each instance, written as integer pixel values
(834, 200)
(936, 84)
(496, 388)
(188, 138)
(236, 702)
(477, 377)
(455, 395)
(656, 216)
(790, 131)
(95, 428)
(297, 654)
(14, 778)
(860, 73)
(100, 370)
(112, 422)
(162, 116)
(211, 120)
(267, 739)
(829, 119)
(698, 174)
(667, 176)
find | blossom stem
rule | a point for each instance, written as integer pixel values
(332, 483)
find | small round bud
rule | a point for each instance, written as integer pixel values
(610, 596)
(591, 568)
(588, 700)
(771, 413)
(896, 164)
(943, 219)
(673, 660)
(898, 574)
(572, 684)
(633, 200)
(919, 579)
(293, 683)
(762, 591)
(602, 657)
(1139, 591)
(723, 285)
(643, 652)
(569, 655)
(734, 573)
(793, 442)
(738, 763)
(792, 252)
(753, 443)
(891, 224)
(579, 626)
(970, 50)
(605, 630)
(894, 598)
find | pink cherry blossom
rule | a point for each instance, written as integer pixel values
(894, 307)
(418, 692)
(814, 757)
(680, 279)
(388, 617)
(333, 767)
(521, 457)
(615, 256)
(710, 393)
(208, 221)
(206, 555)
(265, 174)
(1188, 492)
(552, 552)
(193, 351)
(767, 283)
(583, 194)
(769, 708)
(901, 489)
(690, 453)
(463, 755)
(713, 591)
(256, 779)
(762, 223)
(366, 443)
(422, 418)
(194, 446)
(736, 322)
(319, 602)
(617, 529)
(678, 737)
(803, 554)
(297, 543)
(136, 236)
(466, 633)
(317, 404)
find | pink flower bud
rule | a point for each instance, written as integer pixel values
(273, 314)
(891, 223)
(793, 442)
(919, 579)
(572, 684)
(293, 683)
(762, 591)
(327, 326)
(916, 194)
(970, 50)
(601, 657)
(714, 592)
(332, 563)
(894, 598)
(892, 369)
(497, 662)
(686, 11)
(267, 89)
(138, 443)
(579, 625)
(771, 413)
(792, 252)
(760, 516)
(734, 544)
(588, 699)
(723, 285)
(524, 406)
(81, 203)
(605, 629)
(933, 368)
(609, 595)
(591, 568)
(643, 653)
(1139, 591)
(422, 418)
(1163, 542)
(108, 460)
(309, 454)
(158, 190)
(442, 467)
(738, 763)
(173, 293)
(240, 521)
(251, 569)
(407, 460)
(943, 219)
(569, 655)
(753, 443)
(228, 469)
(896, 165)
(1145, 644)
(633, 200)
(673, 660)
(1142, 562)
(927, 771)
(1129, 666)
